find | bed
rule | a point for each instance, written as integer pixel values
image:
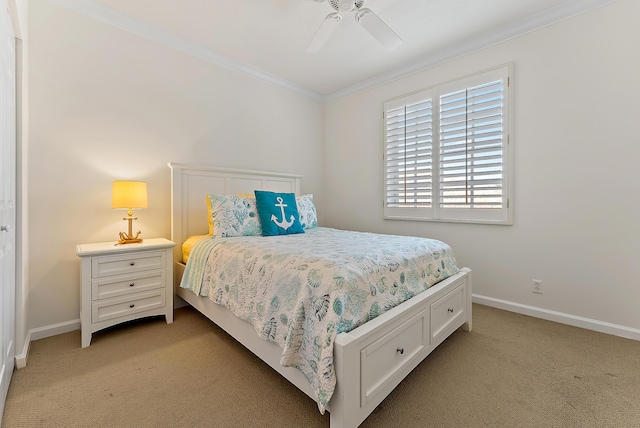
(368, 361)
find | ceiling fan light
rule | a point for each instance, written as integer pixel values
(346, 5)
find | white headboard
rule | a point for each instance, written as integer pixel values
(191, 183)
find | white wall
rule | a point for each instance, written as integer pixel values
(106, 104)
(576, 152)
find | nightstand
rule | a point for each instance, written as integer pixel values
(124, 282)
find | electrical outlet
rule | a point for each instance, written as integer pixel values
(537, 286)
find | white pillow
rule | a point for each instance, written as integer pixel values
(307, 211)
(234, 216)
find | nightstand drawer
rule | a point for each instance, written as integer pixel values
(103, 310)
(445, 313)
(126, 263)
(120, 285)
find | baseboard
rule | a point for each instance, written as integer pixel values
(576, 321)
(41, 333)
(21, 359)
(560, 317)
(54, 329)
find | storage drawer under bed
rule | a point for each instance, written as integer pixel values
(447, 313)
(384, 359)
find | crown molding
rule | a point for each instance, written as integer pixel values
(109, 16)
(532, 23)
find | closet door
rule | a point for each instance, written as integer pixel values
(7, 200)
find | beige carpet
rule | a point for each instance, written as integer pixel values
(510, 371)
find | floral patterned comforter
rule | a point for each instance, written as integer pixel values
(301, 290)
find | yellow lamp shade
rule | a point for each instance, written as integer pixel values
(129, 195)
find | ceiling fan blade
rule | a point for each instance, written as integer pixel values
(324, 32)
(378, 29)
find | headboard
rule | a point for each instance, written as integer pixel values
(191, 183)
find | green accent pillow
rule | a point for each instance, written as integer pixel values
(272, 207)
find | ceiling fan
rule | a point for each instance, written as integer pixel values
(365, 17)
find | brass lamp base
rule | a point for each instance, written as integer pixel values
(124, 239)
(128, 238)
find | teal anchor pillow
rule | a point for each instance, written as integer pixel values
(278, 213)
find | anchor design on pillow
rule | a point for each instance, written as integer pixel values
(284, 223)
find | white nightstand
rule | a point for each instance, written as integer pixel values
(124, 282)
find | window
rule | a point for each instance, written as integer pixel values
(447, 152)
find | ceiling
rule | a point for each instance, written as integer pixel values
(268, 38)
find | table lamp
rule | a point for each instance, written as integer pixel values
(129, 195)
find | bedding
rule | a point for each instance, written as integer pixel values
(188, 246)
(301, 290)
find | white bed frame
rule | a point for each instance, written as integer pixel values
(371, 360)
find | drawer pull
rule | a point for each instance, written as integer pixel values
(131, 305)
(132, 264)
(450, 310)
(400, 350)
(132, 284)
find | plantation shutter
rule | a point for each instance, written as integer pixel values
(408, 153)
(447, 152)
(471, 146)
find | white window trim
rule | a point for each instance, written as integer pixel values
(503, 216)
